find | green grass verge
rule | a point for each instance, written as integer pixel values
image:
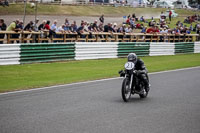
(17, 77)
(98, 10)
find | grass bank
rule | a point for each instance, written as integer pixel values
(97, 10)
(17, 77)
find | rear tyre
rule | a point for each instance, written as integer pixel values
(145, 92)
(126, 90)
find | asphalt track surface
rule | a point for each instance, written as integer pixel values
(173, 106)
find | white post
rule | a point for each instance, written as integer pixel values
(25, 4)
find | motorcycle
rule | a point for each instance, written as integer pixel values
(131, 84)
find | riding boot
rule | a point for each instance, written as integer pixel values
(146, 83)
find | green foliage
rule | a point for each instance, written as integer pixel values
(17, 77)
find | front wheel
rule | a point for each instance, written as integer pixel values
(126, 90)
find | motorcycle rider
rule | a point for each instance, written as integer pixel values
(140, 68)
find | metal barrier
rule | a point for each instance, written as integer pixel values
(45, 36)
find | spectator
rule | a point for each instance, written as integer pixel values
(90, 27)
(144, 29)
(110, 29)
(35, 28)
(139, 26)
(54, 26)
(100, 27)
(152, 23)
(86, 27)
(106, 28)
(3, 27)
(47, 27)
(162, 16)
(80, 30)
(67, 27)
(35, 25)
(128, 29)
(29, 26)
(53, 29)
(142, 19)
(132, 23)
(191, 27)
(82, 21)
(188, 31)
(128, 20)
(156, 30)
(170, 15)
(151, 29)
(133, 15)
(61, 28)
(74, 26)
(164, 32)
(12, 27)
(198, 31)
(115, 27)
(4, 3)
(122, 28)
(94, 26)
(42, 26)
(67, 21)
(101, 19)
(177, 30)
(19, 27)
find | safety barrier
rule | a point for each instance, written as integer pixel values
(9, 54)
(197, 47)
(45, 36)
(162, 49)
(141, 49)
(96, 50)
(184, 48)
(48, 52)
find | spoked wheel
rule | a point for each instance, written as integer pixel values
(145, 92)
(126, 90)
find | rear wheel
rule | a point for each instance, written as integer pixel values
(126, 90)
(145, 92)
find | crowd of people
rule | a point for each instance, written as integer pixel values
(132, 22)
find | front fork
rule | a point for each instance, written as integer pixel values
(131, 81)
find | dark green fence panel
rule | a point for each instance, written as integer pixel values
(184, 48)
(46, 52)
(141, 49)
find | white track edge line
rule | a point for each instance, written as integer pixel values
(92, 81)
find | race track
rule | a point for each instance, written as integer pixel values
(173, 106)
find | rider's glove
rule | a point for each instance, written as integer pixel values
(122, 74)
(138, 72)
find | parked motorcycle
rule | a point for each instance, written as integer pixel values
(132, 84)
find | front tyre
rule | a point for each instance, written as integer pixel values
(126, 90)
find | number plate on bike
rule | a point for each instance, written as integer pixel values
(129, 65)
